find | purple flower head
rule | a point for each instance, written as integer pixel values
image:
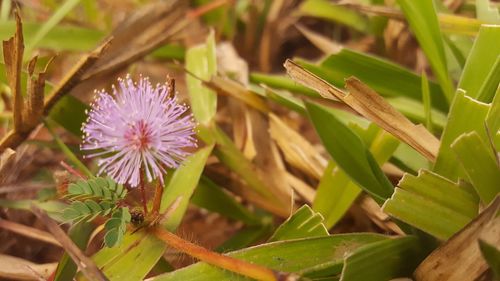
(138, 127)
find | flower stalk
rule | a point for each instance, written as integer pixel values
(235, 265)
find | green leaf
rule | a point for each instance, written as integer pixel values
(383, 260)
(329, 11)
(432, 203)
(132, 259)
(281, 82)
(116, 227)
(182, 184)
(80, 235)
(304, 223)
(212, 197)
(492, 255)
(200, 61)
(349, 152)
(336, 192)
(246, 237)
(458, 123)
(97, 188)
(311, 257)
(481, 73)
(480, 164)
(423, 20)
(426, 99)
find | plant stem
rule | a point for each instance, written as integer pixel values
(235, 265)
(143, 192)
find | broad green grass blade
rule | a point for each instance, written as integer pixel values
(182, 184)
(132, 259)
(210, 196)
(465, 115)
(492, 118)
(482, 65)
(336, 192)
(375, 71)
(349, 152)
(329, 11)
(426, 100)
(416, 112)
(307, 257)
(80, 235)
(408, 159)
(58, 15)
(432, 203)
(246, 237)
(281, 82)
(492, 255)
(423, 20)
(480, 165)
(304, 223)
(200, 61)
(383, 260)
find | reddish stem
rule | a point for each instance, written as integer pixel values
(71, 170)
(235, 265)
(143, 192)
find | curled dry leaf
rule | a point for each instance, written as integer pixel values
(372, 106)
(141, 32)
(298, 151)
(460, 257)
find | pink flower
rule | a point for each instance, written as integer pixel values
(139, 126)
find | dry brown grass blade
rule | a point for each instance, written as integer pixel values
(303, 189)
(268, 160)
(13, 50)
(238, 91)
(34, 105)
(142, 32)
(372, 106)
(299, 152)
(84, 263)
(13, 268)
(321, 42)
(460, 257)
(27, 231)
(74, 76)
(6, 159)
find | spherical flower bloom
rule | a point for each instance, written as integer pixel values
(139, 127)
